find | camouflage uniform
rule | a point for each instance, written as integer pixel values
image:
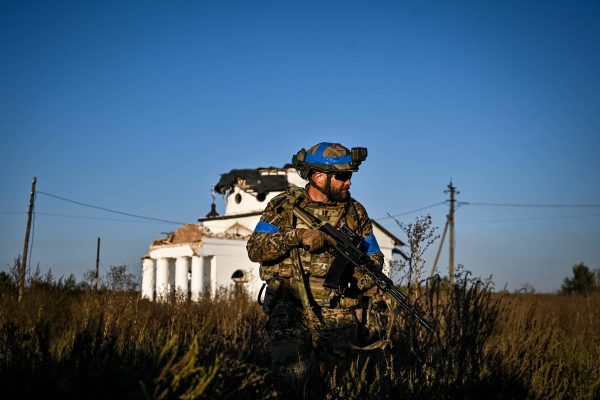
(331, 326)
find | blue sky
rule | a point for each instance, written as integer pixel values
(140, 106)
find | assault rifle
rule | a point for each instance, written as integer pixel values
(347, 254)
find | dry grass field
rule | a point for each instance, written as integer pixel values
(66, 342)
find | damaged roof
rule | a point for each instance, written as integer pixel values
(259, 180)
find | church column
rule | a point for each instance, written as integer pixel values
(162, 279)
(182, 267)
(196, 285)
(209, 275)
(148, 278)
(213, 276)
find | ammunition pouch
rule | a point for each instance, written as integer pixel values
(268, 272)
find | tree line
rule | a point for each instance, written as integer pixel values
(583, 280)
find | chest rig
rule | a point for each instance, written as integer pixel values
(315, 265)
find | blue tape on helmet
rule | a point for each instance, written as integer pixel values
(319, 158)
(265, 227)
(370, 245)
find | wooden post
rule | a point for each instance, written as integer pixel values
(97, 264)
(26, 244)
(437, 255)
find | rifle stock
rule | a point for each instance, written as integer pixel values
(348, 254)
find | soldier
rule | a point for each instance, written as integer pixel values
(306, 320)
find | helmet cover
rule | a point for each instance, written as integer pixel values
(328, 157)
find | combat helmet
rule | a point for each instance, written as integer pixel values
(328, 157)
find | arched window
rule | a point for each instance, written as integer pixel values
(240, 276)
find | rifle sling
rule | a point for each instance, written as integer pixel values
(314, 317)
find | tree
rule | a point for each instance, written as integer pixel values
(117, 278)
(90, 279)
(583, 280)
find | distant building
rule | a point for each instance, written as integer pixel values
(201, 258)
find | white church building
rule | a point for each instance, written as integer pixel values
(199, 259)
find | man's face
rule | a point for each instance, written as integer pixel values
(340, 185)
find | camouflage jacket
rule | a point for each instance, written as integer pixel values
(275, 237)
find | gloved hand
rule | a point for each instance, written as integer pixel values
(313, 239)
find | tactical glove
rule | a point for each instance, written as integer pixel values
(313, 239)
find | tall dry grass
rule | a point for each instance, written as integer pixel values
(550, 343)
(64, 342)
(70, 343)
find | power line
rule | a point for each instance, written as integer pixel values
(110, 210)
(95, 218)
(74, 216)
(411, 211)
(461, 203)
(468, 203)
(530, 219)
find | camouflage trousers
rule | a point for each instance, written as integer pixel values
(300, 351)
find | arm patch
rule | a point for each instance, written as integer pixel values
(265, 227)
(370, 245)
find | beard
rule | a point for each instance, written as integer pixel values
(339, 195)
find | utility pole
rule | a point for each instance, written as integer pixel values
(452, 190)
(26, 244)
(97, 264)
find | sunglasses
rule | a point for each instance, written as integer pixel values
(343, 176)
